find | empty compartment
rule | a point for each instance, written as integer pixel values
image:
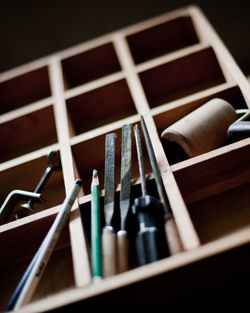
(24, 89)
(216, 192)
(90, 65)
(181, 77)
(90, 155)
(58, 275)
(100, 106)
(26, 177)
(163, 38)
(27, 133)
(164, 119)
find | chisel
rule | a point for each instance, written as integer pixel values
(108, 232)
(171, 231)
(122, 236)
(150, 241)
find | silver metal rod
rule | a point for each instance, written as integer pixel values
(140, 161)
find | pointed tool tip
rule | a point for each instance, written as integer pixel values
(78, 182)
(95, 177)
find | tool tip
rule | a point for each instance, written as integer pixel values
(95, 179)
(78, 182)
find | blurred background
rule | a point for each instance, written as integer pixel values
(33, 29)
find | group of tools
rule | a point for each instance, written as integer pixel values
(10, 209)
(154, 232)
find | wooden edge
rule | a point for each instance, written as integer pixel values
(183, 221)
(209, 155)
(207, 31)
(90, 44)
(27, 109)
(80, 250)
(76, 173)
(231, 241)
(94, 84)
(29, 219)
(80, 261)
(28, 157)
(169, 57)
(127, 64)
(191, 98)
(103, 129)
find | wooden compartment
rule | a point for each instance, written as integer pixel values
(25, 176)
(90, 65)
(27, 133)
(181, 77)
(24, 89)
(131, 225)
(20, 245)
(90, 155)
(216, 191)
(100, 106)
(163, 38)
(172, 112)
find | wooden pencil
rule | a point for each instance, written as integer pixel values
(96, 250)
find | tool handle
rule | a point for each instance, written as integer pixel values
(172, 236)
(148, 245)
(109, 251)
(239, 129)
(122, 251)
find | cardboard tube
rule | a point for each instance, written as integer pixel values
(204, 129)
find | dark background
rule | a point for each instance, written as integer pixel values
(33, 29)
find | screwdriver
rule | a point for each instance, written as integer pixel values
(151, 243)
(171, 232)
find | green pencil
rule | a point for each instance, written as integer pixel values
(96, 249)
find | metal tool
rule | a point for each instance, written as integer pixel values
(54, 164)
(42, 257)
(171, 231)
(241, 127)
(122, 236)
(108, 233)
(150, 242)
(11, 201)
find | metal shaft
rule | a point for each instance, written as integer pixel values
(140, 160)
(109, 178)
(125, 174)
(155, 168)
(53, 164)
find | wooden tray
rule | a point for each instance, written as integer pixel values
(162, 68)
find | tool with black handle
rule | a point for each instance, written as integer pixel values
(108, 232)
(122, 235)
(171, 231)
(150, 242)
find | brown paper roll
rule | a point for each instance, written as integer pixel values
(204, 129)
